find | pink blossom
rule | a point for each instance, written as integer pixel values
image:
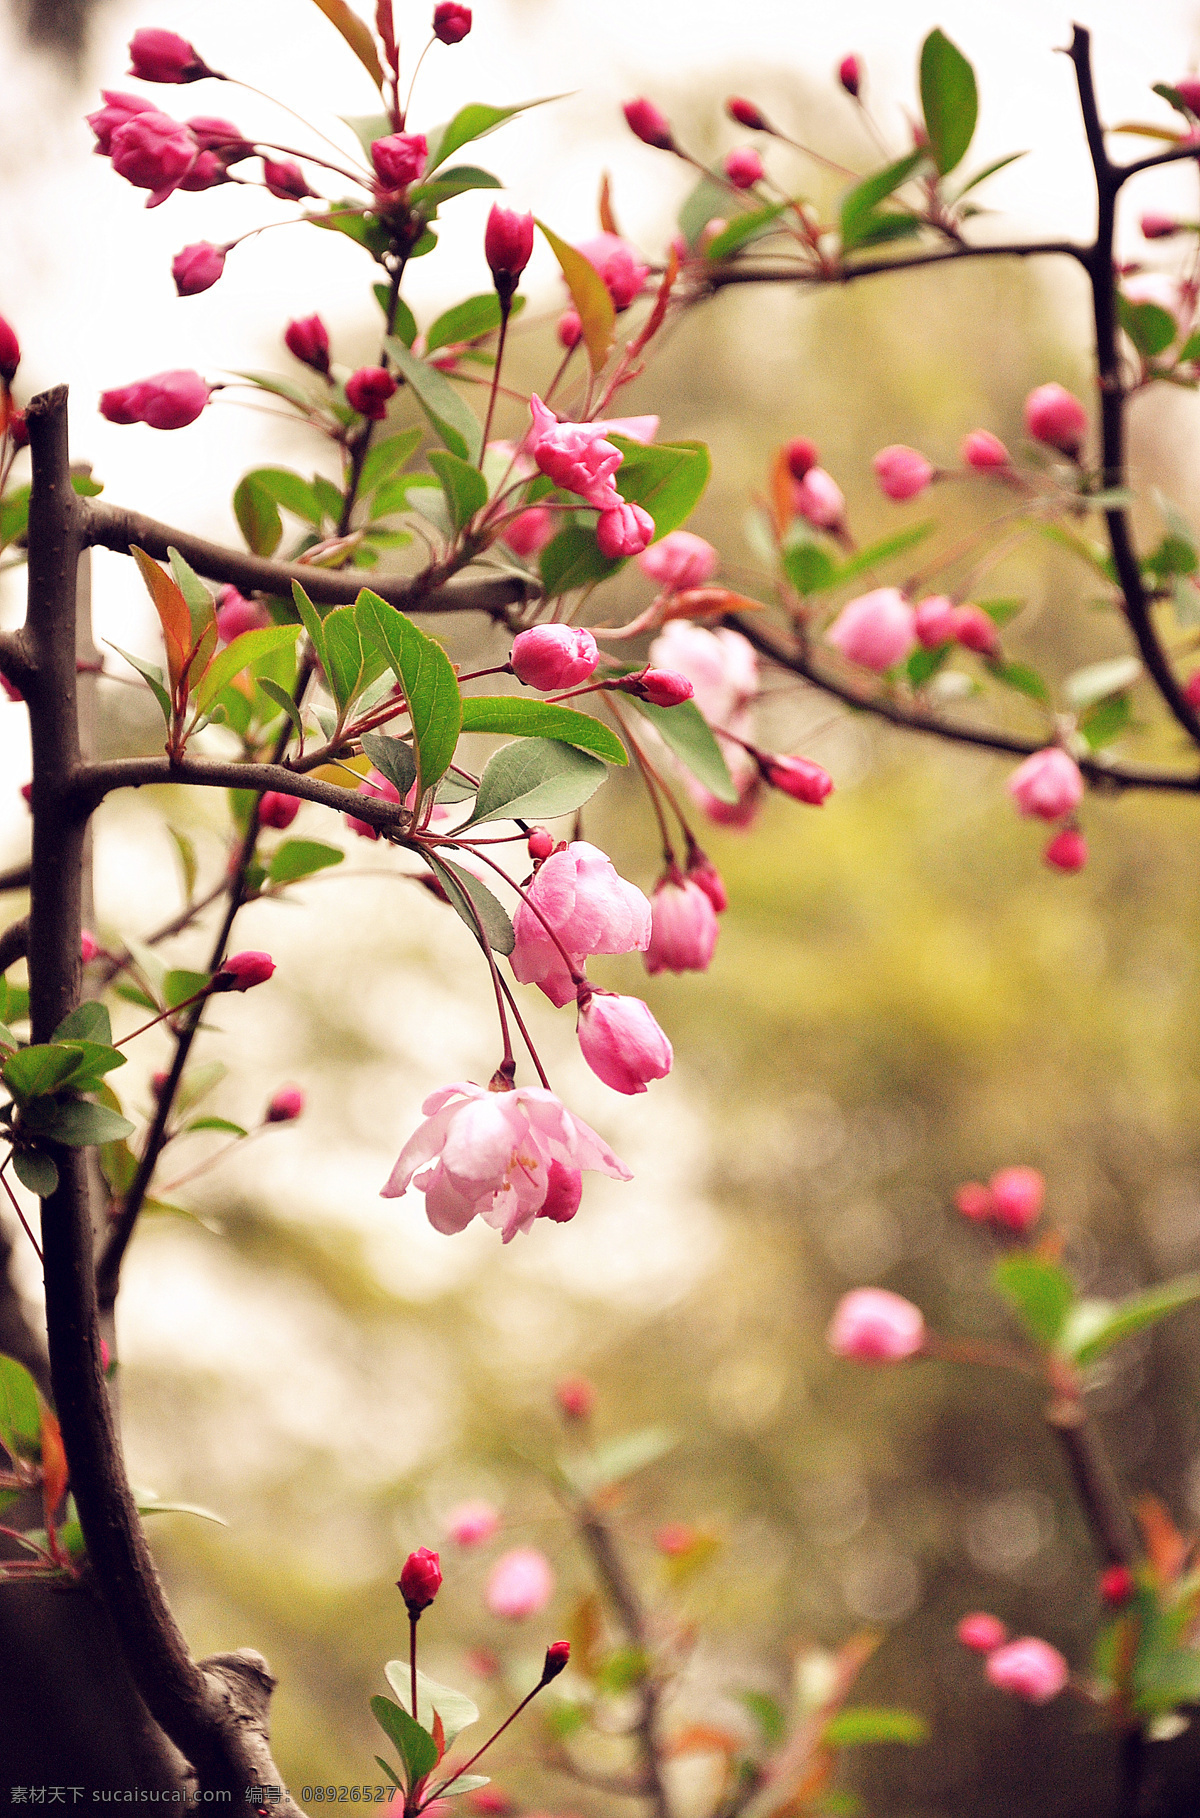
(521, 1583)
(875, 1325)
(1029, 1668)
(420, 1580)
(197, 268)
(285, 179)
(490, 1154)
(1188, 90)
(621, 1042)
(703, 872)
(820, 499)
(574, 456)
(661, 687)
(214, 134)
(590, 909)
(471, 1523)
(89, 946)
(649, 124)
(451, 22)
(975, 630)
(553, 656)
(1017, 1195)
(117, 109)
(743, 167)
(1055, 416)
(275, 810)
(576, 1397)
(287, 1104)
(982, 450)
(902, 472)
(10, 352)
(564, 1191)
(746, 114)
(877, 630)
(798, 777)
(722, 666)
(153, 152)
(623, 530)
(399, 159)
(681, 560)
(1191, 689)
(167, 400)
(378, 786)
(529, 532)
(634, 429)
(850, 75)
(683, 931)
(245, 970)
(161, 56)
(1159, 227)
(974, 1201)
(618, 264)
(934, 621)
(507, 247)
(981, 1632)
(1117, 1585)
(307, 338)
(1048, 784)
(570, 328)
(1067, 850)
(368, 391)
(801, 456)
(206, 172)
(236, 614)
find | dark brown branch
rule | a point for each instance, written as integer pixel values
(14, 942)
(744, 271)
(112, 527)
(92, 782)
(1176, 155)
(1102, 775)
(14, 658)
(16, 878)
(1095, 1483)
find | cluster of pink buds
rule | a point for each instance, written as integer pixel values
(1029, 1668)
(816, 495)
(938, 620)
(1049, 786)
(1012, 1198)
(579, 460)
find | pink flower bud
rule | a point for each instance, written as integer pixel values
(649, 124)
(160, 56)
(675, 1538)
(1017, 1195)
(623, 530)
(275, 810)
(802, 456)
(1188, 90)
(469, 1524)
(558, 1656)
(206, 172)
(743, 167)
(286, 1105)
(507, 247)
(540, 843)
(116, 110)
(1117, 1586)
(1048, 784)
(419, 1581)
(10, 352)
(982, 1632)
(746, 114)
(368, 391)
(975, 630)
(681, 560)
(618, 263)
(878, 629)
(661, 687)
(211, 133)
(521, 1584)
(902, 472)
(11, 690)
(934, 621)
(307, 338)
(875, 1326)
(575, 1397)
(1028, 1668)
(18, 429)
(850, 75)
(982, 450)
(798, 777)
(451, 22)
(1159, 227)
(621, 1042)
(820, 499)
(1067, 851)
(166, 400)
(703, 872)
(1191, 689)
(26, 794)
(89, 946)
(529, 532)
(570, 328)
(564, 1190)
(236, 614)
(197, 268)
(244, 970)
(683, 928)
(399, 159)
(153, 152)
(285, 179)
(553, 656)
(974, 1201)
(1055, 416)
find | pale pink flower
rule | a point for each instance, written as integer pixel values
(1029, 1668)
(574, 456)
(1017, 1195)
(1055, 416)
(981, 1632)
(877, 630)
(634, 429)
(684, 929)
(621, 1042)
(681, 560)
(491, 1154)
(1048, 784)
(619, 264)
(874, 1325)
(553, 656)
(820, 499)
(153, 152)
(471, 1523)
(982, 450)
(529, 532)
(623, 530)
(902, 472)
(520, 1584)
(590, 909)
(722, 666)
(743, 167)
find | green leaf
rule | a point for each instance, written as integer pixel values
(281, 388)
(385, 458)
(350, 664)
(185, 851)
(468, 321)
(590, 295)
(857, 1723)
(541, 719)
(428, 197)
(708, 201)
(475, 903)
(464, 485)
(149, 672)
(767, 1714)
(456, 1710)
(78, 1124)
(744, 227)
(622, 1670)
(33, 1072)
(427, 677)
(881, 227)
(89, 1022)
(349, 217)
(923, 664)
(393, 758)
(1040, 1293)
(859, 205)
(613, 1463)
(391, 1774)
(807, 566)
(20, 1410)
(250, 648)
(535, 779)
(179, 985)
(418, 1750)
(1021, 677)
(884, 550)
(199, 599)
(258, 516)
(989, 170)
(282, 698)
(687, 732)
(949, 100)
(35, 1171)
(464, 1783)
(1001, 611)
(14, 514)
(1174, 555)
(452, 421)
(1081, 547)
(357, 35)
(1190, 350)
(1099, 680)
(1106, 721)
(222, 1124)
(667, 479)
(14, 1001)
(300, 858)
(1135, 1314)
(289, 490)
(1149, 326)
(573, 559)
(152, 1506)
(474, 121)
(310, 618)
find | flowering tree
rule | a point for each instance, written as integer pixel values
(295, 681)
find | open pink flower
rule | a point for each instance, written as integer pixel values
(684, 930)
(1029, 1668)
(621, 1042)
(117, 109)
(619, 265)
(876, 1326)
(722, 666)
(1048, 784)
(877, 630)
(679, 561)
(490, 1154)
(590, 909)
(575, 456)
(521, 1584)
(153, 152)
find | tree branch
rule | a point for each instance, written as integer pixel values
(16, 878)
(1095, 1483)
(14, 942)
(741, 271)
(92, 782)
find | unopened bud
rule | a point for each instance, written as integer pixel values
(241, 971)
(801, 455)
(308, 339)
(649, 124)
(507, 246)
(746, 114)
(197, 268)
(850, 75)
(420, 1581)
(540, 843)
(89, 946)
(10, 352)
(558, 1655)
(275, 810)
(286, 1106)
(1159, 227)
(451, 22)
(575, 1397)
(798, 777)
(661, 687)
(1116, 1586)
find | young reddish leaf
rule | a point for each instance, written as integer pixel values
(1166, 1546)
(357, 35)
(589, 293)
(439, 1734)
(54, 1462)
(172, 610)
(608, 221)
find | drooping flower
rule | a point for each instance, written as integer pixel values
(520, 1584)
(166, 400)
(683, 934)
(153, 152)
(746, 113)
(591, 910)
(619, 265)
(801, 778)
(575, 456)
(679, 561)
(1048, 784)
(275, 810)
(876, 1326)
(285, 179)
(490, 1154)
(877, 630)
(1067, 850)
(621, 1042)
